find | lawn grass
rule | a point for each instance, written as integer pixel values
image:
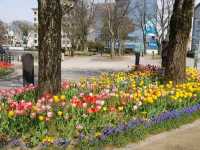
(139, 133)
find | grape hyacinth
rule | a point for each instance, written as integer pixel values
(174, 114)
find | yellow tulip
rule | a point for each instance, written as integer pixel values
(60, 113)
(56, 99)
(62, 97)
(34, 108)
(97, 134)
(41, 118)
(11, 114)
(120, 108)
(104, 108)
(150, 100)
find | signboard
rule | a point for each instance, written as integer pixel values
(150, 28)
(152, 44)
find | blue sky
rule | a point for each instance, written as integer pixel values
(20, 9)
(16, 10)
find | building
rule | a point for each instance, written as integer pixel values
(34, 40)
(14, 39)
(194, 37)
(100, 9)
(196, 28)
(33, 37)
(147, 8)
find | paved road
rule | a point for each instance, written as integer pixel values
(74, 68)
(77, 67)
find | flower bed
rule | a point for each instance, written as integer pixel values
(93, 110)
(5, 68)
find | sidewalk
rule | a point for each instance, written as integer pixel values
(12, 80)
(185, 138)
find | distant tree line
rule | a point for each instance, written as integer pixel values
(50, 18)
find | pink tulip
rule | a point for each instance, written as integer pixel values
(49, 114)
(48, 107)
(43, 107)
(38, 104)
(43, 99)
(33, 115)
(39, 110)
(63, 104)
(39, 101)
(73, 105)
(20, 112)
(98, 107)
(84, 105)
(79, 127)
(81, 94)
(51, 100)
(47, 119)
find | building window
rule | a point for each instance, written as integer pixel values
(198, 33)
(35, 41)
(35, 12)
(35, 19)
(198, 24)
(35, 35)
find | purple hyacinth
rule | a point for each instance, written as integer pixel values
(15, 142)
(62, 142)
(174, 114)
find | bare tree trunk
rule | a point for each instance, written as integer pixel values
(180, 28)
(85, 47)
(164, 54)
(162, 27)
(121, 48)
(112, 53)
(144, 26)
(159, 46)
(72, 52)
(144, 43)
(49, 46)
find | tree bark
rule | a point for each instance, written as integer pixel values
(112, 53)
(49, 29)
(164, 54)
(145, 46)
(121, 47)
(144, 39)
(180, 28)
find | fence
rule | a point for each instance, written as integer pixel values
(6, 58)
